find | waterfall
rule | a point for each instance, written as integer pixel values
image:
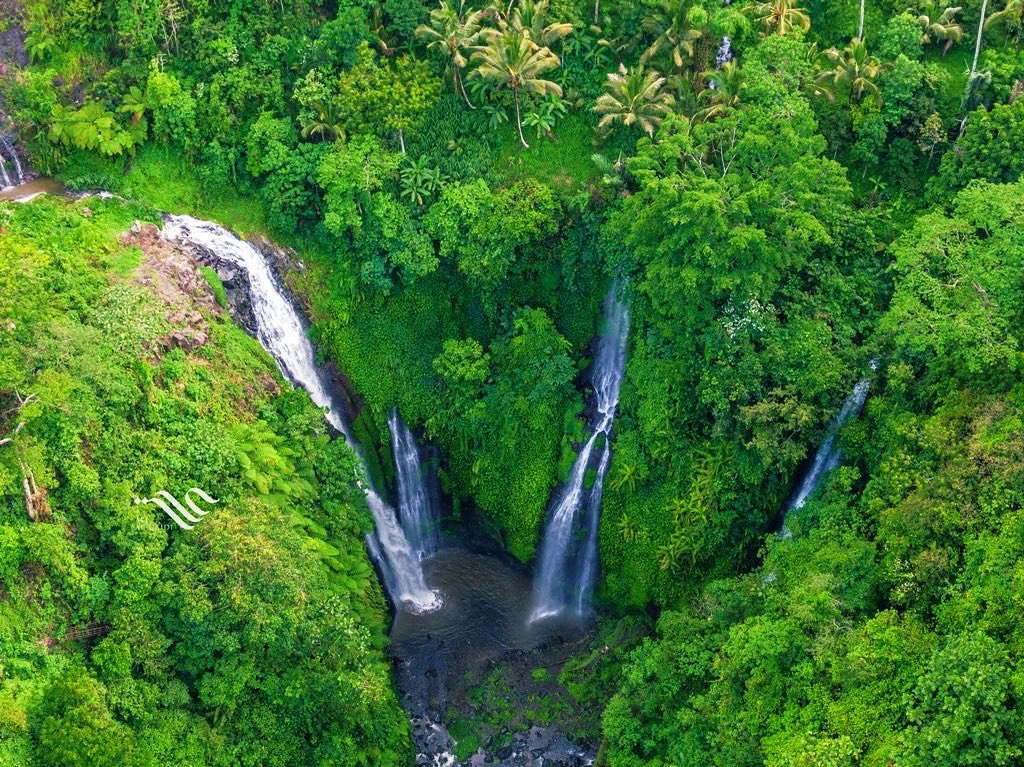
(566, 571)
(281, 331)
(828, 455)
(725, 54)
(416, 508)
(9, 155)
(587, 574)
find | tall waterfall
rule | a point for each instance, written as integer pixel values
(828, 455)
(416, 507)
(281, 331)
(566, 571)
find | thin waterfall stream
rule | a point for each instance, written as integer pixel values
(282, 332)
(828, 455)
(11, 172)
(566, 571)
(417, 508)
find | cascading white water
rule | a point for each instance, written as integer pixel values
(587, 571)
(724, 54)
(8, 155)
(281, 331)
(829, 454)
(416, 509)
(5, 179)
(566, 572)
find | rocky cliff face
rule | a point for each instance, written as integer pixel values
(12, 37)
(175, 279)
(12, 58)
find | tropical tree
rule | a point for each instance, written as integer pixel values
(419, 181)
(531, 18)
(674, 35)
(511, 59)
(321, 119)
(453, 35)
(781, 16)
(1013, 15)
(853, 67)
(725, 86)
(940, 28)
(634, 97)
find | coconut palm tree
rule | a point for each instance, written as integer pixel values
(530, 16)
(781, 16)
(853, 67)
(634, 97)
(453, 35)
(323, 120)
(673, 34)
(725, 87)
(510, 59)
(943, 27)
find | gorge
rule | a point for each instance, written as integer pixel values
(457, 607)
(581, 383)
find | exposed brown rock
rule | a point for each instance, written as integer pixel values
(176, 280)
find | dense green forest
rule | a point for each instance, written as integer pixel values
(786, 190)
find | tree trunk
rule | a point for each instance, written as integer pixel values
(401, 140)
(977, 43)
(519, 121)
(462, 87)
(860, 24)
(597, 10)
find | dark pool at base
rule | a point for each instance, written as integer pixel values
(484, 618)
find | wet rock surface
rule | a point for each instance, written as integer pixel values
(15, 170)
(472, 662)
(12, 38)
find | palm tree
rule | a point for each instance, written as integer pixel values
(673, 34)
(323, 120)
(512, 60)
(723, 93)
(453, 35)
(781, 16)
(940, 28)
(634, 97)
(1012, 14)
(530, 16)
(854, 67)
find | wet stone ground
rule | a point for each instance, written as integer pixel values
(480, 684)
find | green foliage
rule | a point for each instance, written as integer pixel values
(93, 127)
(987, 150)
(769, 222)
(865, 638)
(256, 637)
